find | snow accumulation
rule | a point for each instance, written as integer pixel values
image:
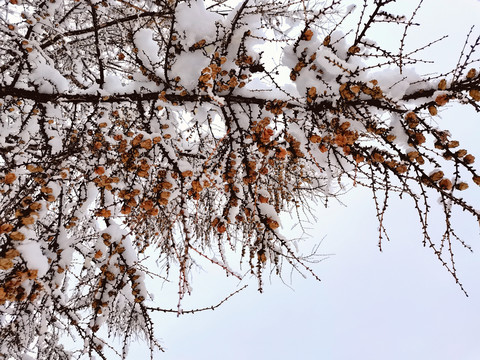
(195, 23)
(176, 130)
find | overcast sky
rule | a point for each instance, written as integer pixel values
(398, 304)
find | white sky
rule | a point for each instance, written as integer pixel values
(399, 304)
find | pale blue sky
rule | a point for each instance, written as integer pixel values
(396, 305)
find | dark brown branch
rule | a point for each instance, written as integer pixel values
(182, 312)
(105, 25)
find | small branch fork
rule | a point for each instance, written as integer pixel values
(193, 311)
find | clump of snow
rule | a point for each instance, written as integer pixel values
(196, 22)
(31, 252)
(393, 83)
(48, 79)
(190, 66)
(113, 85)
(148, 50)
